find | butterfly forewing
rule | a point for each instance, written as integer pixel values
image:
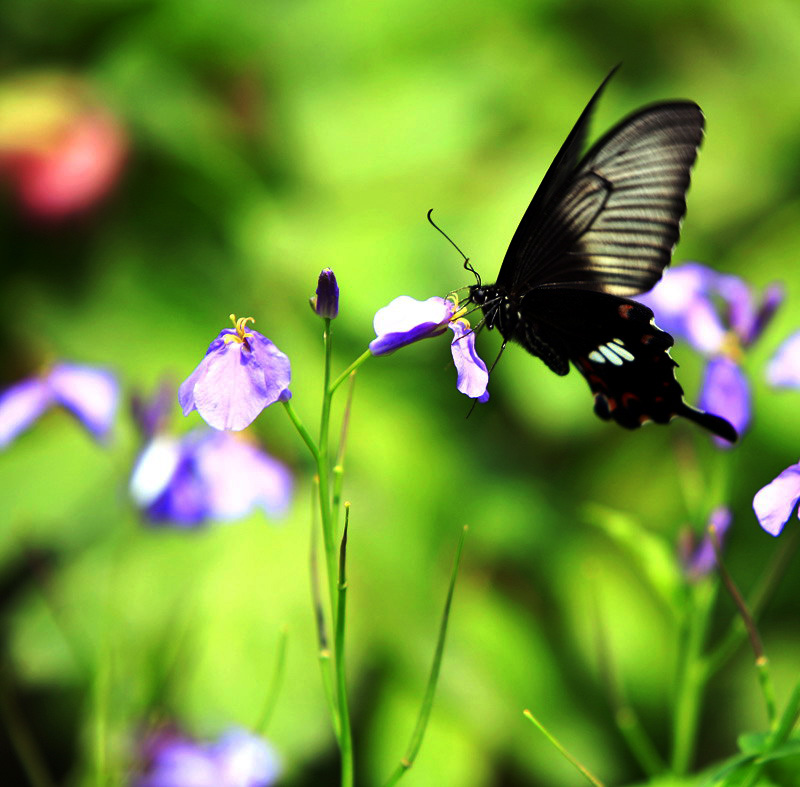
(614, 222)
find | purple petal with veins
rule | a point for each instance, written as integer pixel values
(473, 377)
(236, 380)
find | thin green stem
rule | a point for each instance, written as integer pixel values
(101, 690)
(338, 468)
(430, 690)
(349, 370)
(275, 683)
(691, 677)
(762, 663)
(639, 742)
(550, 737)
(323, 650)
(302, 431)
(346, 737)
(323, 469)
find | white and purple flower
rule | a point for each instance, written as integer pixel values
(242, 373)
(406, 320)
(719, 316)
(89, 393)
(207, 475)
(237, 759)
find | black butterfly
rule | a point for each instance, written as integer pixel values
(597, 229)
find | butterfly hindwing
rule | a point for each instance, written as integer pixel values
(614, 343)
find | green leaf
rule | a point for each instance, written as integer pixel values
(653, 554)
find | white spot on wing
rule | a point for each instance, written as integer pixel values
(610, 355)
(596, 357)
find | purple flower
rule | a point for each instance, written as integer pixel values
(326, 302)
(699, 560)
(406, 320)
(88, 393)
(784, 368)
(207, 475)
(237, 759)
(719, 316)
(725, 390)
(242, 373)
(774, 503)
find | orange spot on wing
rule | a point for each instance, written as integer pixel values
(625, 311)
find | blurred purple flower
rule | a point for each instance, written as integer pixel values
(242, 373)
(89, 393)
(326, 302)
(207, 475)
(725, 390)
(784, 368)
(774, 503)
(718, 315)
(237, 759)
(699, 559)
(406, 320)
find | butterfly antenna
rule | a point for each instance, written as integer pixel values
(467, 263)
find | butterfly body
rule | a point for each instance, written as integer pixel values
(600, 228)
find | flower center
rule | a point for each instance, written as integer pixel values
(731, 347)
(241, 335)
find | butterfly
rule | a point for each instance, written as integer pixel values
(601, 228)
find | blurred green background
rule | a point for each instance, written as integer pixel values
(268, 140)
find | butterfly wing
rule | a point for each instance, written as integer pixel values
(610, 222)
(615, 345)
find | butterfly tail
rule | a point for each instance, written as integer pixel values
(714, 423)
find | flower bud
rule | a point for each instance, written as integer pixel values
(326, 302)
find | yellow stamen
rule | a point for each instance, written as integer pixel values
(240, 326)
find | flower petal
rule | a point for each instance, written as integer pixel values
(91, 394)
(774, 503)
(244, 760)
(704, 558)
(20, 406)
(182, 764)
(473, 377)
(675, 296)
(406, 320)
(726, 392)
(238, 476)
(154, 469)
(784, 368)
(235, 381)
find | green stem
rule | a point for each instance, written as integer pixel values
(323, 469)
(547, 734)
(324, 651)
(275, 682)
(691, 677)
(338, 468)
(346, 737)
(430, 690)
(302, 431)
(639, 742)
(349, 370)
